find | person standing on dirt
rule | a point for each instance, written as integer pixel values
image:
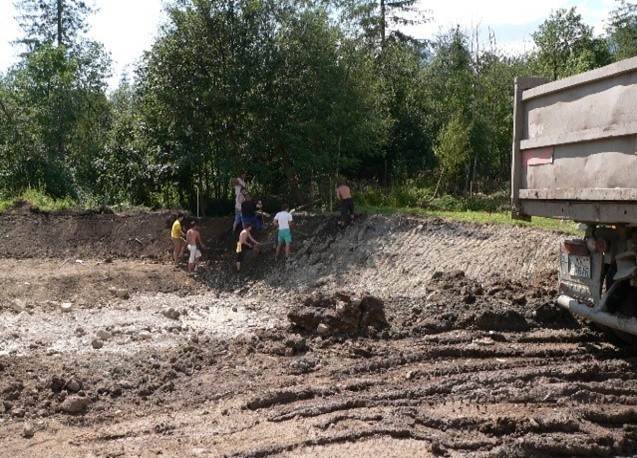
(344, 194)
(283, 221)
(238, 201)
(239, 183)
(193, 238)
(249, 212)
(177, 235)
(245, 243)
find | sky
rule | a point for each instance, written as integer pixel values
(128, 27)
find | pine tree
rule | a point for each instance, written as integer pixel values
(52, 22)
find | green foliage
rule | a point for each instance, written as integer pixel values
(622, 30)
(453, 146)
(566, 46)
(492, 127)
(411, 193)
(52, 22)
(418, 194)
(492, 203)
(54, 104)
(255, 86)
(37, 199)
(292, 92)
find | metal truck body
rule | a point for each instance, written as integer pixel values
(575, 158)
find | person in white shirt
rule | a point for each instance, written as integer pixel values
(283, 220)
(238, 200)
(239, 183)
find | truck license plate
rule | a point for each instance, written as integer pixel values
(579, 266)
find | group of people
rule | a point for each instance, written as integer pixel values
(190, 239)
(248, 215)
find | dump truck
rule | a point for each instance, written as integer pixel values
(575, 158)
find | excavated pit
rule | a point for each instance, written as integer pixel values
(397, 336)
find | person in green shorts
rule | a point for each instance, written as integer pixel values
(283, 220)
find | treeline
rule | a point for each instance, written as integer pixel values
(295, 93)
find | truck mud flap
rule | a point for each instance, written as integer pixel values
(619, 323)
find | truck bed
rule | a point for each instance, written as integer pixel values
(575, 146)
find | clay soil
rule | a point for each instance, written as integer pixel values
(393, 337)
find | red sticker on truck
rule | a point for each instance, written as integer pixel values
(537, 156)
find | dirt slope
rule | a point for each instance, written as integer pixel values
(106, 349)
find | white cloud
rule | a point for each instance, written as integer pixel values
(511, 22)
(126, 28)
(9, 31)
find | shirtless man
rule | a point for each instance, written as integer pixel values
(193, 238)
(344, 194)
(245, 243)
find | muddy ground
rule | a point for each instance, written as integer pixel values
(394, 337)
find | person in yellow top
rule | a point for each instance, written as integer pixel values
(177, 235)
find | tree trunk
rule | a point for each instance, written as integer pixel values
(59, 21)
(382, 22)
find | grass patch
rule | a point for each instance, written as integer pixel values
(482, 217)
(39, 201)
(414, 198)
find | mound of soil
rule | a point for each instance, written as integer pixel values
(340, 314)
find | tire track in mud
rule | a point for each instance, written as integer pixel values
(535, 398)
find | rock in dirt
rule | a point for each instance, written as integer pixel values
(19, 306)
(29, 430)
(97, 344)
(66, 307)
(74, 404)
(121, 293)
(103, 334)
(73, 385)
(171, 313)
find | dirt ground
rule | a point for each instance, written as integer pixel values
(394, 337)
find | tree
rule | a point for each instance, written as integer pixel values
(453, 148)
(59, 85)
(399, 13)
(407, 149)
(52, 22)
(493, 116)
(448, 82)
(125, 172)
(566, 46)
(622, 30)
(256, 85)
(23, 160)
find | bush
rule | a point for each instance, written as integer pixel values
(41, 201)
(410, 195)
(495, 203)
(447, 203)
